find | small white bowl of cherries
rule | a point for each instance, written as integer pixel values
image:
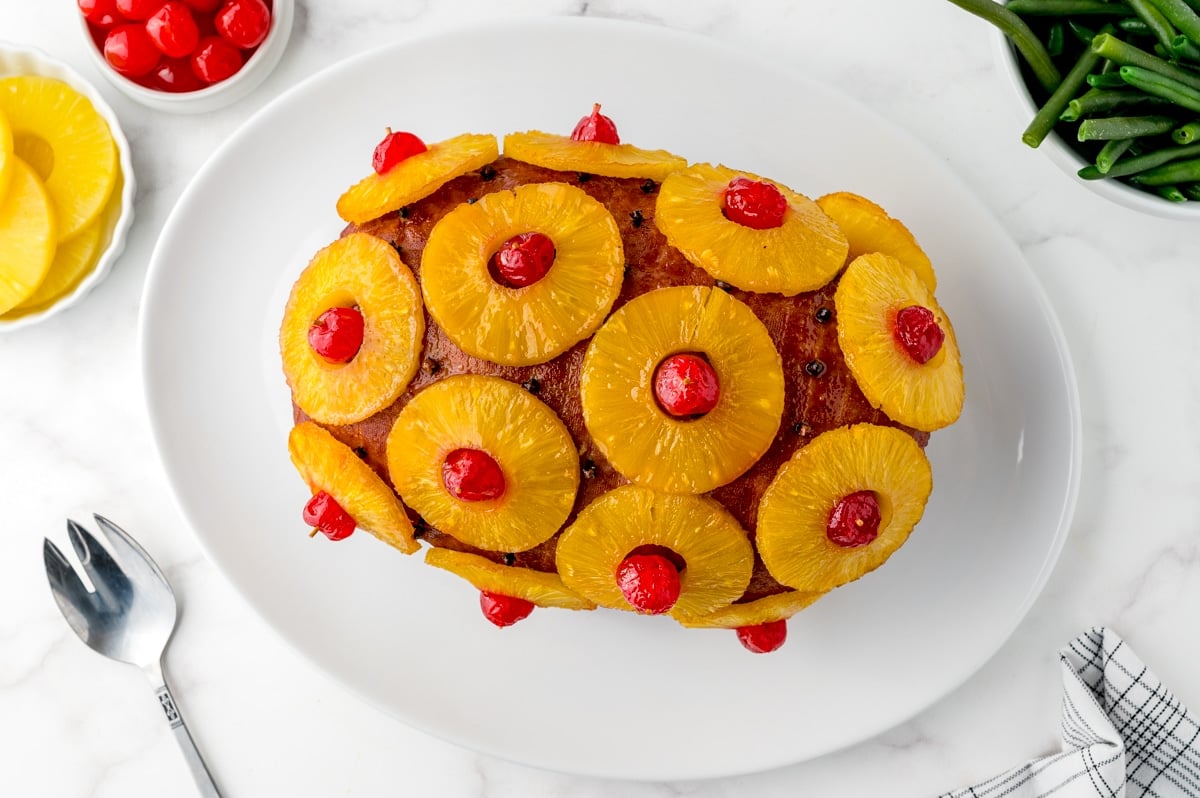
(187, 56)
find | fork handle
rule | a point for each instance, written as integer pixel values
(203, 779)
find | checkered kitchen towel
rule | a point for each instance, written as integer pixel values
(1124, 734)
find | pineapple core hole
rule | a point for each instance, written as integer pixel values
(662, 551)
(35, 151)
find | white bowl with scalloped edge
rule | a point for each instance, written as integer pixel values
(21, 60)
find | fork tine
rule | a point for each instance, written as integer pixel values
(112, 585)
(69, 592)
(128, 550)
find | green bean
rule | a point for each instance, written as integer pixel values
(1171, 194)
(1124, 127)
(1170, 173)
(1158, 24)
(1186, 134)
(1106, 80)
(1135, 26)
(1054, 40)
(1127, 55)
(1181, 16)
(1022, 37)
(1043, 122)
(1099, 101)
(1110, 152)
(1082, 32)
(1062, 8)
(1182, 47)
(1162, 86)
(1140, 163)
(1191, 190)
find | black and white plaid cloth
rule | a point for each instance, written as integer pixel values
(1124, 734)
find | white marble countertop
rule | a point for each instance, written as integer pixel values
(74, 438)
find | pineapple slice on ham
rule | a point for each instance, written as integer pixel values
(416, 177)
(364, 271)
(641, 439)
(532, 324)
(519, 433)
(873, 300)
(869, 228)
(798, 535)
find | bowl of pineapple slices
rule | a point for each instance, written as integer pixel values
(66, 187)
(580, 374)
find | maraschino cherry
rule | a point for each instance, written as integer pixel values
(754, 203)
(472, 475)
(324, 513)
(596, 127)
(523, 260)
(763, 638)
(504, 610)
(854, 521)
(686, 386)
(394, 148)
(337, 334)
(918, 333)
(649, 582)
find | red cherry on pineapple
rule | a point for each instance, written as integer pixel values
(649, 582)
(129, 50)
(754, 203)
(854, 521)
(174, 75)
(764, 638)
(244, 23)
(337, 334)
(138, 9)
(596, 127)
(686, 385)
(523, 260)
(918, 333)
(324, 513)
(504, 610)
(215, 60)
(394, 148)
(204, 6)
(101, 13)
(472, 475)
(173, 30)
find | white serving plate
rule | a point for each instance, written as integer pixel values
(603, 693)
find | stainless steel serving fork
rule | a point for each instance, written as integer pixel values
(128, 616)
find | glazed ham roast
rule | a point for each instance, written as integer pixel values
(681, 289)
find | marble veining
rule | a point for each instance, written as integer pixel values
(73, 439)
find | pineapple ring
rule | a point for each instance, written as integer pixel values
(715, 548)
(362, 270)
(794, 512)
(58, 132)
(923, 396)
(27, 236)
(563, 153)
(6, 154)
(778, 607)
(416, 177)
(327, 464)
(869, 228)
(542, 589)
(529, 442)
(639, 439)
(523, 326)
(803, 254)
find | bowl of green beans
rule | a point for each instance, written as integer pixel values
(1112, 88)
